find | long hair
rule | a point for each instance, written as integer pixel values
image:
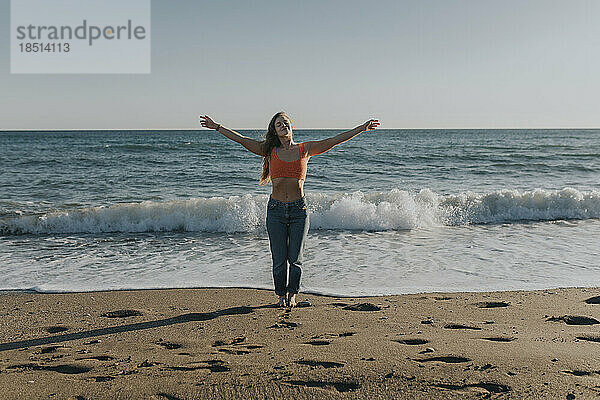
(271, 140)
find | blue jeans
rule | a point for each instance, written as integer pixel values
(287, 225)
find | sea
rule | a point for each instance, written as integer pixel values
(391, 211)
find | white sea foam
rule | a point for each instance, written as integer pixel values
(379, 211)
(506, 206)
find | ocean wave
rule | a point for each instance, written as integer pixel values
(379, 211)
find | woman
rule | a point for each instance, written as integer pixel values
(285, 163)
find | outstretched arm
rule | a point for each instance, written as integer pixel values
(321, 146)
(252, 145)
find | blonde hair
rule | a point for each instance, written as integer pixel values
(271, 141)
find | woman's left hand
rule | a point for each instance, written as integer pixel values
(371, 124)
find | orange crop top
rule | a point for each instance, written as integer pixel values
(290, 169)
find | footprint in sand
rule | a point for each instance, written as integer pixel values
(489, 387)
(578, 372)
(444, 359)
(63, 369)
(461, 326)
(574, 320)
(593, 300)
(234, 346)
(362, 307)
(492, 304)
(236, 352)
(284, 324)
(147, 364)
(50, 349)
(318, 342)
(211, 365)
(99, 358)
(303, 304)
(236, 340)
(412, 342)
(499, 339)
(326, 336)
(590, 338)
(324, 364)
(168, 345)
(122, 314)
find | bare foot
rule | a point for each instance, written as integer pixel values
(282, 301)
(291, 300)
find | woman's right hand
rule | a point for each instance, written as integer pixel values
(207, 122)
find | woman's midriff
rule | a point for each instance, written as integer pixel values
(287, 189)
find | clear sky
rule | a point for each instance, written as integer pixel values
(334, 64)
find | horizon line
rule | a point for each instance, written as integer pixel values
(302, 129)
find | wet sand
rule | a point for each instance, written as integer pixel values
(234, 343)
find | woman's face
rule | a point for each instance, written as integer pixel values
(283, 126)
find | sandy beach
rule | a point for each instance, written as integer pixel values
(234, 343)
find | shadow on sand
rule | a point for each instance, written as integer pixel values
(190, 317)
